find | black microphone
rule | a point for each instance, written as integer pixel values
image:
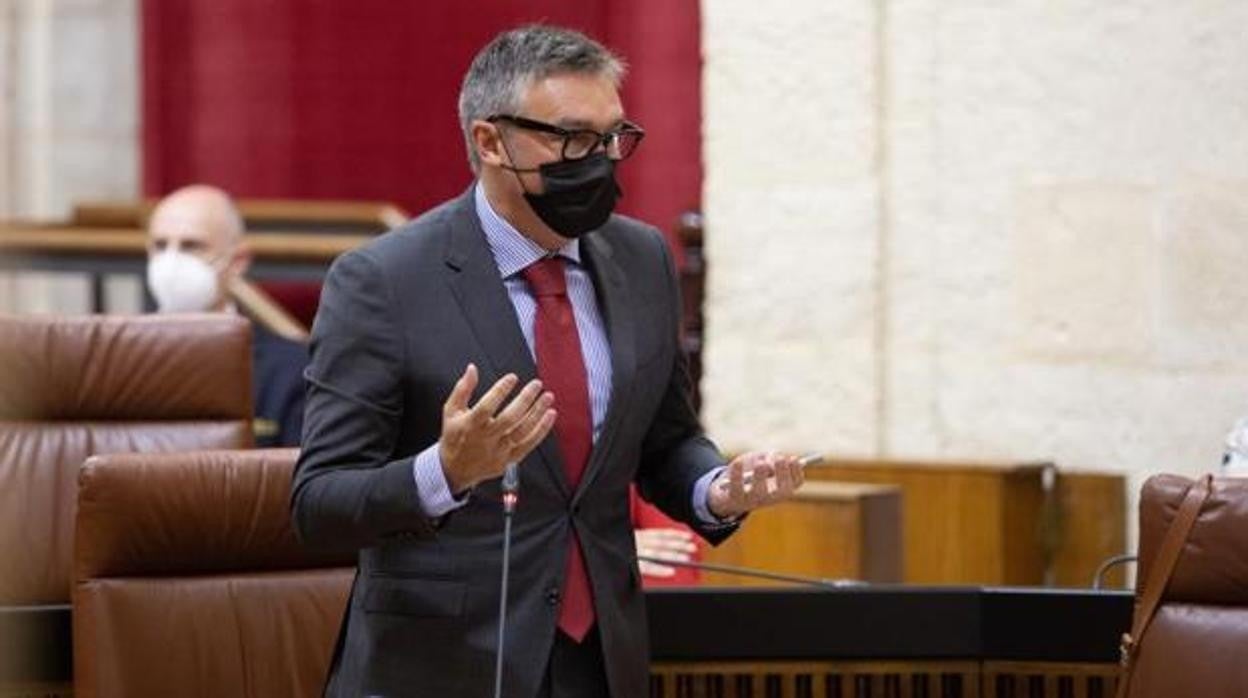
(511, 496)
(748, 572)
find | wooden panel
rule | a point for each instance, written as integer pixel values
(1091, 528)
(1048, 680)
(1026, 552)
(37, 690)
(985, 523)
(830, 530)
(882, 679)
(962, 523)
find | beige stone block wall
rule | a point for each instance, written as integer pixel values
(998, 230)
(790, 178)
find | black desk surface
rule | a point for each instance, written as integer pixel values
(882, 622)
(889, 622)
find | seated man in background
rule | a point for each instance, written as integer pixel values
(195, 251)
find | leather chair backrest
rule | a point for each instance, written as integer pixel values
(189, 580)
(71, 387)
(1197, 644)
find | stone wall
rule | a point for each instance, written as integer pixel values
(959, 229)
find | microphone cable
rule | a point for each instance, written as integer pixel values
(758, 574)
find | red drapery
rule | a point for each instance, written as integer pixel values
(357, 100)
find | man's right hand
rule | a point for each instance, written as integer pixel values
(479, 441)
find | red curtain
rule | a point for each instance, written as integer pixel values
(357, 100)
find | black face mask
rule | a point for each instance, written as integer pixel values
(579, 195)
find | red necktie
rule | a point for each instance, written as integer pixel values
(561, 368)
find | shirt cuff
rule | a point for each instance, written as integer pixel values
(435, 494)
(701, 500)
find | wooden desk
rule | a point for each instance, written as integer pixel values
(986, 523)
(831, 530)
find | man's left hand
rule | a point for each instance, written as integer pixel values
(754, 480)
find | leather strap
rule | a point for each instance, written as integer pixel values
(1159, 576)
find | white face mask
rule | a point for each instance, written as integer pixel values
(181, 282)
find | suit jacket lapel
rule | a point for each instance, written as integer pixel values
(613, 300)
(474, 280)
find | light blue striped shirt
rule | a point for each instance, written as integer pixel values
(513, 253)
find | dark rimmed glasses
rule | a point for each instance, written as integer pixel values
(578, 144)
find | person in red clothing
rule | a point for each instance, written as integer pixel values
(659, 536)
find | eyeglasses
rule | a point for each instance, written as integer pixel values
(580, 143)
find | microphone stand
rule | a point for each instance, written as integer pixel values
(758, 574)
(511, 489)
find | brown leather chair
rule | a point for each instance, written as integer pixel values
(1197, 642)
(189, 580)
(71, 387)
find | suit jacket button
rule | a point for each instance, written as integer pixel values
(552, 596)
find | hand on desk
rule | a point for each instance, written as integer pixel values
(754, 480)
(479, 441)
(665, 543)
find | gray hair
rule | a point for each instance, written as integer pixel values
(516, 59)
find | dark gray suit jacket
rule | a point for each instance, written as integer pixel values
(399, 320)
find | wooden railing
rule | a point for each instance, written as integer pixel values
(362, 216)
(99, 251)
(31, 241)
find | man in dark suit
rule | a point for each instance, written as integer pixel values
(519, 323)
